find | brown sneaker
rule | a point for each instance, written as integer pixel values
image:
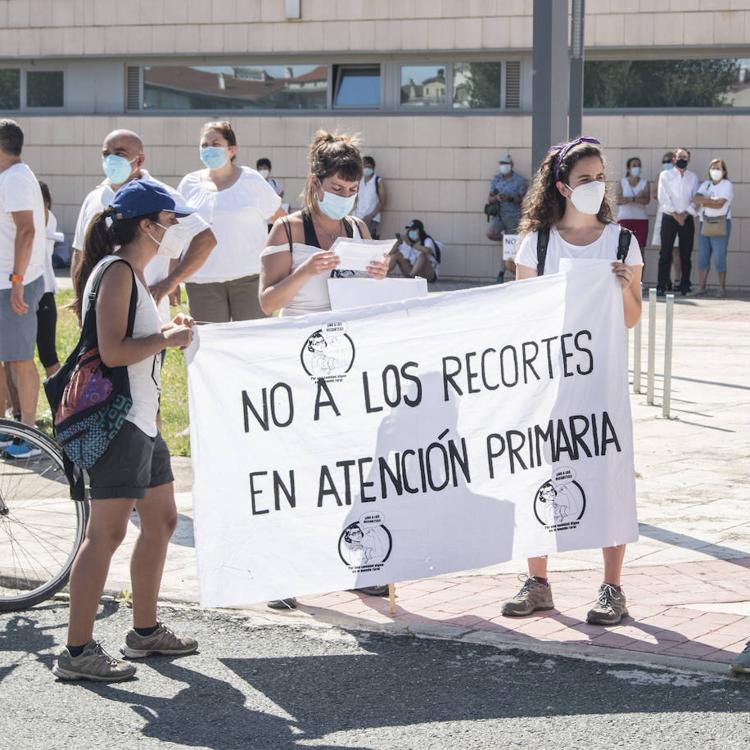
(93, 664)
(610, 608)
(533, 596)
(163, 641)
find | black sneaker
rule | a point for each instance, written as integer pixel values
(282, 604)
(374, 590)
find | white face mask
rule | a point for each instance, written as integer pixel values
(716, 174)
(172, 242)
(587, 198)
(635, 171)
(264, 173)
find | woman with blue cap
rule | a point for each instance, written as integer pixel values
(134, 471)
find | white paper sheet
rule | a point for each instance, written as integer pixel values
(357, 254)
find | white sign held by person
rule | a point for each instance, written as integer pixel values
(410, 439)
(510, 246)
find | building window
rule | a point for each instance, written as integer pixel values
(357, 86)
(226, 87)
(10, 88)
(633, 84)
(477, 85)
(423, 85)
(44, 88)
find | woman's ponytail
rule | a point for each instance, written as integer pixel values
(96, 245)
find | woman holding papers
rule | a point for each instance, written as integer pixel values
(298, 261)
(566, 214)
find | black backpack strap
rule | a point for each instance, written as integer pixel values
(311, 238)
(623, 244)
(288, 231)
(436, 246)
(88, 329)
(349, 226)
(542, 240)
(377, 185)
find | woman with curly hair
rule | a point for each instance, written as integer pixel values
(568, 210)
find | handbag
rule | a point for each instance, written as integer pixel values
(88, 399)
(714, 226)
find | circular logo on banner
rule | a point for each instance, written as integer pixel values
(559, 504)
(365, 545)
(328, 353)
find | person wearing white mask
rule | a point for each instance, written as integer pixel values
(122, 161)
(567, 215)
(264, 168)
(677, 188)
(297, 261)
(239, 204)
(715, 198)
(370, 197)
(633, 195)
(507, 190)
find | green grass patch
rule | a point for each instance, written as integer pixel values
(174, 408)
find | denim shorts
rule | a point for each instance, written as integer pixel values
(133, 463)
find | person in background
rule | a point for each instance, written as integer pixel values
(370, 197)
(122, 162)
(667, 163)
(135, 471)
(46, 314)
(677, 188)
(264, 170)
(568, 198)
(22, 253)
(238, 204)
(633, 195)
(297, 261)
(715, 198)
(507, 190)
(417, 254)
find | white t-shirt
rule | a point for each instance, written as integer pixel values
(723, 189)
(50, 282)
(367, 198)
(144, 376)
(238, 216)
(605, 248)
(20, 191)
(101, 197)
(632, 210)
(313, 297)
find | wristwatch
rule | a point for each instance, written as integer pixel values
(15, 278)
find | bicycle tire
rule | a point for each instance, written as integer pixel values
(44, 589)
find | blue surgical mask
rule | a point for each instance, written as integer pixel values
(413, 235)
(667, 166)
(505, 168)
(214, 157)
(336, 206)
(117, 168)
(635, 171)
(368, 171)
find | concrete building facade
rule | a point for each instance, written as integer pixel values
(437, 89)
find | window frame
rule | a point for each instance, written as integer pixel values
(336, 69)
(25, 69)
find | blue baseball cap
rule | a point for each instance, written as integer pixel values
(140, 198)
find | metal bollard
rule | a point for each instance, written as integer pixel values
(666, 400)
(651, 346)
(637, 358)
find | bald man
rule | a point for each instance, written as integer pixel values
(122, 161)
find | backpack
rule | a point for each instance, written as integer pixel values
(438, 248)
(542, 240)
(88, 399)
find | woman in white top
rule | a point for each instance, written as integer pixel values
(633, 195)
(417, 254)
(297, 262)
(239, 205)
(568, 200)
(135, 471)
(715, 197)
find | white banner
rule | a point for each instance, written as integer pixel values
(355, 292)
(410, 439)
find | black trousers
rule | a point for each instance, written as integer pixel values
(46, 316)
(685, 234)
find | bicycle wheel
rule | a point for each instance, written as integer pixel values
(41, 528)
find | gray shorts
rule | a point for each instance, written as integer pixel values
(18, 332)
(132, 463)
(222, 301)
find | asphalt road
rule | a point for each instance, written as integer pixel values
(286, 687)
